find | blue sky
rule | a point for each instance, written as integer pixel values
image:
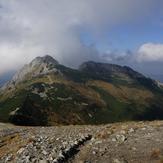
(127, 36)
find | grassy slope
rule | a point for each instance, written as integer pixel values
(91, 101)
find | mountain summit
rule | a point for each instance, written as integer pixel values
(45, 92)
(38, 66)
(44, 61)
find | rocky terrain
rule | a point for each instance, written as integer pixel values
(130, 142)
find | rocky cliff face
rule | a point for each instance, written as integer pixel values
(45, 92)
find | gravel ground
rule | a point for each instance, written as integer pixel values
(135, 142)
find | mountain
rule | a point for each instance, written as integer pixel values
(45, 92)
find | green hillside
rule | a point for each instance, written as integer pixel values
(51, 94)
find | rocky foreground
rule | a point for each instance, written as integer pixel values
(138, 142)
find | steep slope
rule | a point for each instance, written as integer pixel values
(47, 93)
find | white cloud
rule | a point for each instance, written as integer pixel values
(38, 27)
(150, 52)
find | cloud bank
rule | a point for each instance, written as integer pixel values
(38, 27)
(150, 52)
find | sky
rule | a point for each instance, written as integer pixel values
(125, 32)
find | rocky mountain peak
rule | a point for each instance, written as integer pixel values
(38, 66)
(47, 59)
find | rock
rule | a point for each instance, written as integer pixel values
(116, 161)
(143, 128)
(43, 161)
(98, 142)
(123, 132)
(55, 161)
(114, 139)
(27, 159)
(93, 152)
(61, 155)
(121, 138)
(9, 157)
(20, 150)
(44, 152)
(131, 130)
(76, 142)
(133, 148)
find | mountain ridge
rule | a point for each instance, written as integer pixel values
(45, 92)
